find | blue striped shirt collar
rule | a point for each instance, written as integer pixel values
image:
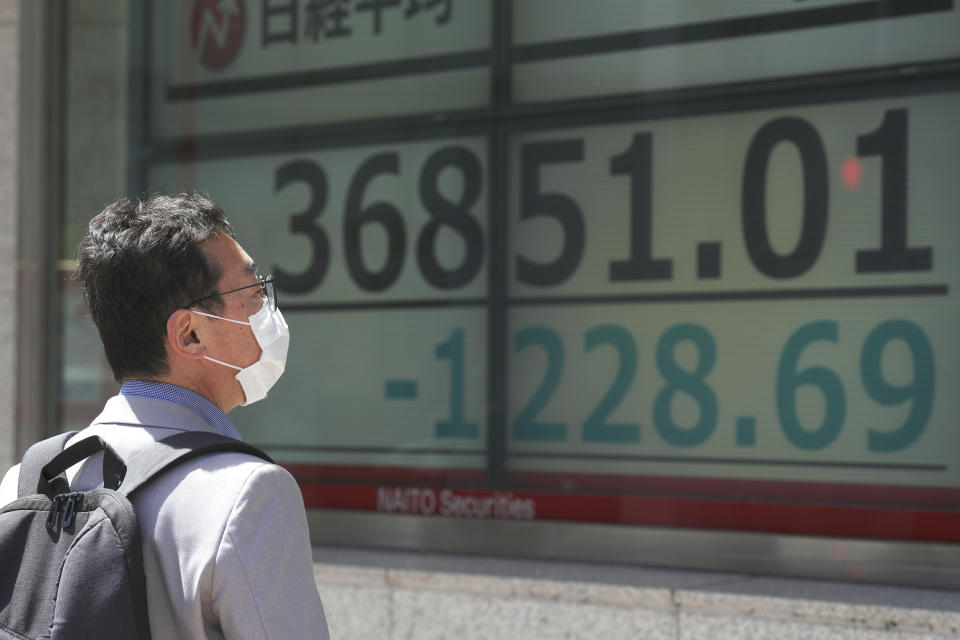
(210, 412)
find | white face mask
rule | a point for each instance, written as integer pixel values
(273, 335)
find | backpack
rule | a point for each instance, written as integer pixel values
(71, 564)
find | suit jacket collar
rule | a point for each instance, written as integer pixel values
(152, 412)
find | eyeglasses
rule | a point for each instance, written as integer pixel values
(267, 290)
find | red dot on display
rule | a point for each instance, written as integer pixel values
(852, 172)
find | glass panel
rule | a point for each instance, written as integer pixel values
(96, 132)
(380, 260)
(671, 264)
(627, 46)
(265, 64)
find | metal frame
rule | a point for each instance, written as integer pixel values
(931, 566)
(41, 126)
(138, 97)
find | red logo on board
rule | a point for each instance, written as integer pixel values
(216, 31)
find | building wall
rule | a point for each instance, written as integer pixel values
(9, 196)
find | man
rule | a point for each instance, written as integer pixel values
(191, 331)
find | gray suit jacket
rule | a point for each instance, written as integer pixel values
(225, 540)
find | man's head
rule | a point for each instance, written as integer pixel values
(142, 260)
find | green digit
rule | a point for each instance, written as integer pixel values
(920, 391)
(596, 428)
(691, 383)
(457, 426)
(526, 426)
(789, 380)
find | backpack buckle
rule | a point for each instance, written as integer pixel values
(62, 511)
(54, 516)
(69, 510)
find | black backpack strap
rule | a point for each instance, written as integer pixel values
(173, 450)
(35, 459)
(113, 467)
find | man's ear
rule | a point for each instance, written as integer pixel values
(181, 335)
